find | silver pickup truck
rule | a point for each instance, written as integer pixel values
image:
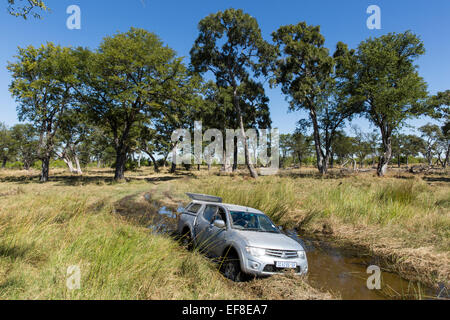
(245, 239)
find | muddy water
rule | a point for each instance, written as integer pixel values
(345, 272)
(332, 269)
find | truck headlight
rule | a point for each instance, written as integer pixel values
(301, 254)
(256, 252)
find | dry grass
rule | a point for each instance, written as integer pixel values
(96, 224)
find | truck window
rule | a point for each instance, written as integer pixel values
(193, 208)
(209, 213)
(220, 215)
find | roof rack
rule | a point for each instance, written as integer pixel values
(204, 197)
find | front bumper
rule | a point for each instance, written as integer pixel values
(266, 265)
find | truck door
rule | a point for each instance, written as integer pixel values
(202, 224)
(216, 235)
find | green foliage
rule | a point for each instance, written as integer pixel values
(230, 46)
(131, 81)
(18, 9)
(307, 76)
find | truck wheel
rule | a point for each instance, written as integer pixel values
(231, 268)
(186, 240)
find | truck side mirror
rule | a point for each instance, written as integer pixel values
(219, 224)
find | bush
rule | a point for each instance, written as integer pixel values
(18, 165)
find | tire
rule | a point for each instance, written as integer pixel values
(186, 240)
(231, 268)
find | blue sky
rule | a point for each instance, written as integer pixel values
(176, 23)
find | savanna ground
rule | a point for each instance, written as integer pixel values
(102, 227)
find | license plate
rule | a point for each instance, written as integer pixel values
(286, 265)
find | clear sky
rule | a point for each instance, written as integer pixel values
(176, 23)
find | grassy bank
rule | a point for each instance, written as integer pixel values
(45, 228)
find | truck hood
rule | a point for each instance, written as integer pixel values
(269, 240)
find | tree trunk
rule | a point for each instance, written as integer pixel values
(77, 163)
(322, 163)
(385, 158)
(209, 166)
(398, 161)
(69, 164)
(45, 169)
(226, 165)
(121, 160)
(4, 162)
(173, 167)
(235, 154)
(155, 164)
(447, 157)
(250, 167)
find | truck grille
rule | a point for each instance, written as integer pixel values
(284, 254)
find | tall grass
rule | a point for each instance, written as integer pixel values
(47, 228)
(405, 207)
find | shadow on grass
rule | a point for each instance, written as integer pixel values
(437, 179)
(73, 180)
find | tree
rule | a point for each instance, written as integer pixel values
(26, 143)
(42, 84)
(412, 146)
(440, 104)
(307, 75)
(362, 144)
(23, 10)
(345, 148)
(230, 45)
(431, 134)
(445, 142)
(398, 145)
(285, 146)
(6, 144)
(130, 79)
(388, 84)
(301, 145)
(373, 139)
(73, 130)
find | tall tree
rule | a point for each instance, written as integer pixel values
(431, 134)
(26, 143)
(412, 146)
(127, 81)
(301, 146)
(388, 84)
(230, 45)
(42, 84)
(6, 144)
(440, 104)
(73, 130)
(306, 72)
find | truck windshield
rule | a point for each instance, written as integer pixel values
(252, 222)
